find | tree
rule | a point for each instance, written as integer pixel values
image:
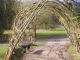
(8, 10)
(45, 18)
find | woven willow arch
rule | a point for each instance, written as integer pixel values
(24, 18)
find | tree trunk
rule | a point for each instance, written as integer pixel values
(32, 32)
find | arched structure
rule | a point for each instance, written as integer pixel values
(21, 23)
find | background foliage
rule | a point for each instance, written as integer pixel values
(8, 9)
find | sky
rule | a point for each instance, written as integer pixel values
(74, 0)
(37, 0)
(77, 0)
(29, 0)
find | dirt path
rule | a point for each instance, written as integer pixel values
(54, 49)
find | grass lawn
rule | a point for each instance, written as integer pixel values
(3, 49)
(41, 34)
(55, 33)
(73, 52)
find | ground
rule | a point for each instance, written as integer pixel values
(51, 45)
(54, 49)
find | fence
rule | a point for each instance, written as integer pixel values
(5, 37)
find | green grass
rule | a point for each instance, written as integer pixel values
(46, 34)
(55, 32)
(3, 49)
(73, 52)
(56, 28)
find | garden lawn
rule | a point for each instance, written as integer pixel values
(46, 34)
(3, 49)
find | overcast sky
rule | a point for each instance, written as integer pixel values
(74, 0)
(37, 0)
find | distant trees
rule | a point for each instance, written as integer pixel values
(77, 8)
(8, 9)
(45, 18)
(73, 5)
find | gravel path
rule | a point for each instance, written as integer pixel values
(54, 49)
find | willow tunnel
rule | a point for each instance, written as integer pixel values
(25, 18)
